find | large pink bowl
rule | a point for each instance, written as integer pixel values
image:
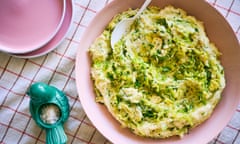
(218, 31)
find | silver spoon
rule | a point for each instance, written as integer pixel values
(123, 26)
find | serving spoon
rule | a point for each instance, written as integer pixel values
(123, 26)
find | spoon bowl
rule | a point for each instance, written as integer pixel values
(123, 26)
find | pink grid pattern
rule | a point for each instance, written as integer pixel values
(57, 69)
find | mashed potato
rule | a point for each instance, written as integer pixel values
(162, 78)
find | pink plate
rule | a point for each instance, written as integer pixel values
(218, 31)
(27, 25)
(57, 39)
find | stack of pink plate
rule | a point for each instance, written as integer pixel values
(33, 28)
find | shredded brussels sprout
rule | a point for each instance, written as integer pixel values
(162, 78)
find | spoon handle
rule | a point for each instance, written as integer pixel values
(146, 3)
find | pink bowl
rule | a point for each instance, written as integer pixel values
(219, 32)
(27, 25)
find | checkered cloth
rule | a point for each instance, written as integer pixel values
(57, 69)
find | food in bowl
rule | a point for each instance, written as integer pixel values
(162, 78)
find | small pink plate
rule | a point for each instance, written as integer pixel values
(57, 39)
(219, 32)
(27, 25)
